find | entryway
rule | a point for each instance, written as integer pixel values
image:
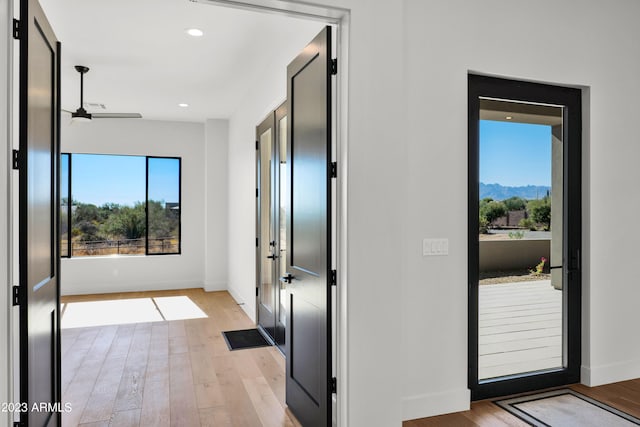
(308, 375)
(524, 236)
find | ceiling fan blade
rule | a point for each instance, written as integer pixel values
(116, 115)
(66, 111)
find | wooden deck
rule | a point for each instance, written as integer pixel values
(520, 328)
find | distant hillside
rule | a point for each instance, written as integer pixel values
(501, 192)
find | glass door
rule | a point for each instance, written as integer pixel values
(524, 236)
(281, 222)
(267, 252)
(271, 173)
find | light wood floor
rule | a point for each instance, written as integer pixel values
(171, 373)
(624, 396)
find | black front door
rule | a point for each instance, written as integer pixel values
(308, 268)
(524, 236)
(38, 159)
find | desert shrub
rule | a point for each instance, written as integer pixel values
(540, 211)
(493, 210)
(527, 223)
(516, 234)
(483, 225)
(515, 203)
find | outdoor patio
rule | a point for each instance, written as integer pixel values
(520, 328)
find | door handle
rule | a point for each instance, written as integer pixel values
(288, 278)
(273, 257)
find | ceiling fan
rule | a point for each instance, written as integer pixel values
(82, 115)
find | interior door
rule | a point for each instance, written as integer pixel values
(267, 250)
(308, 332)
(39, 155)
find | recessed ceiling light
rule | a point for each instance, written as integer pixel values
(508, 117)
(195, 32)
(183, 105)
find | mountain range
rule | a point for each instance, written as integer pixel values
(502, 192)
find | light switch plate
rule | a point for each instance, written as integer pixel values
(431, 247)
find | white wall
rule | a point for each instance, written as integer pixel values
(81, 275)
(216, 186)
(578, 43)
(407, 179)
(262, 98)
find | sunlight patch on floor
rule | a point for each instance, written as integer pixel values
(125, 311)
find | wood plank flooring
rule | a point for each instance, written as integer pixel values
(624, 396)
(171, 373)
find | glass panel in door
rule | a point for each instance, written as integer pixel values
(520, 294)
(266, 315)
(281, 132)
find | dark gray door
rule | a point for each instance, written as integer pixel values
(308, 331)
(39, 241)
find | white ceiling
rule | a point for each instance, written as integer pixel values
(141, 60)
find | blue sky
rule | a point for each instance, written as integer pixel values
(100, 179)
(515, 154)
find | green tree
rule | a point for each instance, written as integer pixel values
(540, 211)
(162, 222)
(493, 210)
(515, 203)
(127, 223)
(86, 212)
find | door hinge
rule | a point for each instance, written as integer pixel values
(334, 169)
(16, 29)
(257, 144)
(16, 295)
(257, 193)
(257, 242)
(16, 159)
(333, 385)
(334, 278)
(256, 291)
(334, 66)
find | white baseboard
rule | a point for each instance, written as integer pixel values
(215, 286)
(428, 405)
(605, 374)
(241, 302)
(108, 288)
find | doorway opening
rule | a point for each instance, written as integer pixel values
(309, 14)
(524, 236)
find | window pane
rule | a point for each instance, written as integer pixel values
(108, 210)
(163, 205)
(520, 297)
(64, 205)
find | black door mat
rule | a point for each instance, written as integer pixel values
(246, 338)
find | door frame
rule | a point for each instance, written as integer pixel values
(502, 88)
(323, 12)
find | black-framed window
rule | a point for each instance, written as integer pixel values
(120, 205)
